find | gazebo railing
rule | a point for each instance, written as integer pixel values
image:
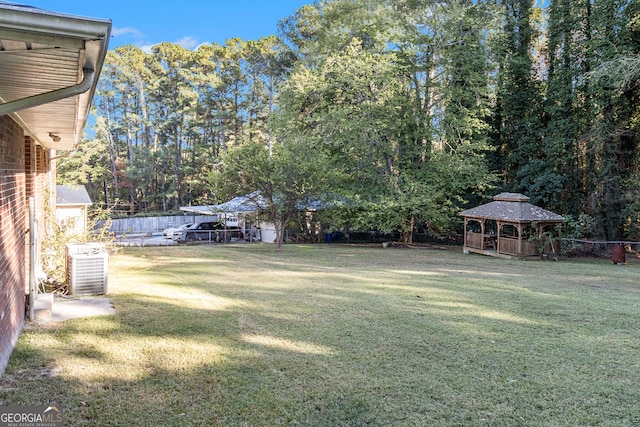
(474, 240)
(508, 246)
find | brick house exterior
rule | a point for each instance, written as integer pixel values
(42, 110)
(24, 173)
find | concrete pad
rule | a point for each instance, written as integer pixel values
(43, 307)
(75, 308)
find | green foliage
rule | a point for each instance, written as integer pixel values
(582, 227)
(413, 107)
(519, 102)
(87, 166)
(165, 117)
(288, 178)
(358, 102)
(589, 148)
(631, 210)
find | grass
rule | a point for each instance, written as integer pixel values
(337, 335)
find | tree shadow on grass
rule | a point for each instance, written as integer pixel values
(164, 374)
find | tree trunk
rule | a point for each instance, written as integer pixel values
(412, 224)
(132, 185)
(279, 235)
(105, 185)
(113, 151)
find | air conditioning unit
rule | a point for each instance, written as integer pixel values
(87, 269)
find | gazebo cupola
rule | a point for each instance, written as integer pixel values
(510, 226)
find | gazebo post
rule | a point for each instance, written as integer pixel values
(464, 234)
(482, 234)
(540, 228)
(519, 248)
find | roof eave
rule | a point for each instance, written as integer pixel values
(88, 34)
(513, 220)
(73, 205)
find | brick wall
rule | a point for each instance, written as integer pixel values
(38, 183)
(13, 235)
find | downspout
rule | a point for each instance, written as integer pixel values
(88, 77)
(33, 252)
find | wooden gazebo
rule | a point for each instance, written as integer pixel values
(510, 227)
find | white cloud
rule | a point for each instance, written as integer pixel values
(187, 42)
(200, 45)
(146, 48)
(115, 32)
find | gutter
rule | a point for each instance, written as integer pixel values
(29, 19)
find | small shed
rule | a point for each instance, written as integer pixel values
(510, 227)
(72, 202)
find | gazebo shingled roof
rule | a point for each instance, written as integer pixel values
(513, 207)
(508, 210)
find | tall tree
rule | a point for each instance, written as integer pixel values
(559, 184)
(366, 98)
(397, 95)
(464, 61)
(519, 100)
(589, 151)
(175, 103)
(611, 143)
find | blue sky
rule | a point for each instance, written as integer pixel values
(189, 23)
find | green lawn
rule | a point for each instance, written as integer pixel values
(337, 335)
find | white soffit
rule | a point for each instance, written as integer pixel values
(41, 52)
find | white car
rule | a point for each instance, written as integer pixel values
(169, 232)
